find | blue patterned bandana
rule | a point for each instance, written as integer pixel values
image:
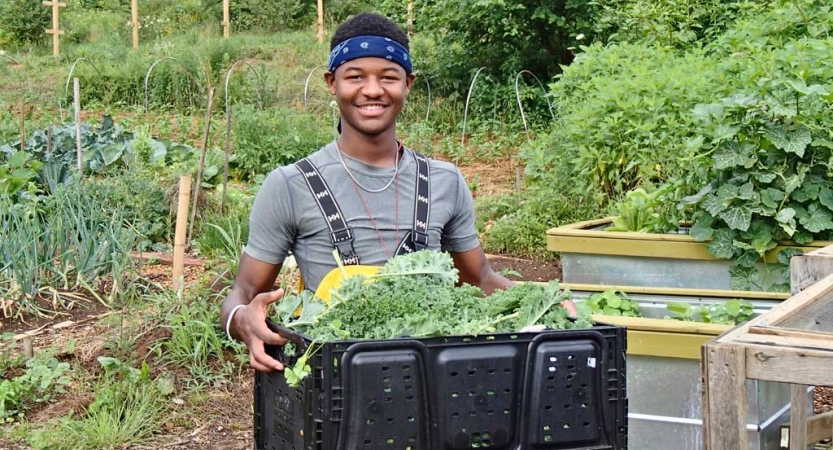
(370, 46)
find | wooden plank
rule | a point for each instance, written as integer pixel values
(808, 269)
(820, 427)
(787, 365)
(667, 345)
(789, 332)
(788, 343)
(689, 292)
(798, 417)
(724, 397)
(778, 312)
(663, 325)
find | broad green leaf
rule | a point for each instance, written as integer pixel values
(111, 153)
(721, 244)
(748, 258)
(746, 192)
(713, 205)
(803, 238)
(789, 227)
(772, 197)
(158, 151)
(793, 182)
(813, 89)
(611, 312)
(785, 215)
(793, 142)
(807, 191)
(705, 112)
(786, 254)
(24, 174)
(737, 217)
(614, 301)
(732, 155)
(826, 198)
(732, 307)
(818, 221)
(19, 159)
(680, 308)
(699, 232)
(742, 278)
(693, 199)
(764, 177)
(725, 132)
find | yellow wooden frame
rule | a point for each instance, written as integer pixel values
(580, 238)
(665, 338)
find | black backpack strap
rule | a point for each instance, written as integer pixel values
(341, 235)
(417, 238)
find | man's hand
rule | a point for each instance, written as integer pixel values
(570, 307)
(249, 324)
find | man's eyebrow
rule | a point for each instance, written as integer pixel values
(361, 69)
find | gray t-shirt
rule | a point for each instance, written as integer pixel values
(285, 216)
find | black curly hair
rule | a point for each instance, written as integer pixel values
(369, 24)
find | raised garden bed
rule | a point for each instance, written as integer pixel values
(591, 255)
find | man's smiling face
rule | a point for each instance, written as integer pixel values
(370, 93)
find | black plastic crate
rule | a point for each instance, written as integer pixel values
(561, 389)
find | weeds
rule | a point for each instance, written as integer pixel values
(44, 377)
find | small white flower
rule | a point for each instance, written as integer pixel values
(580, 36)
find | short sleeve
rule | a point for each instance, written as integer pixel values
(272, 224)
(460, 233)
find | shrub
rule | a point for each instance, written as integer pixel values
(624, 118)
(22, 22)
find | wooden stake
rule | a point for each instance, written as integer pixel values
(202, 162)
(49, 139)
(22, 125)
(410, 18)
(56, 31)
(226, 161)
(28, 349)
(134, 15)
(226, 19)
(320, 20)
(181, 228)
(76, 89)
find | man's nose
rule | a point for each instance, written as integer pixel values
(372, 87)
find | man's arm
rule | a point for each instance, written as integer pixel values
(252, 288)
(475, 270)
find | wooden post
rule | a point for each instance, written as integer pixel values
(320, 20)
(724, 380)
(181, 228)
(226, 19)
(76, 89)
(49, 139)
(134, 19)
(202, 163)
(55, 31)
(22, 125)
(806, 270)
(798, 416)
(410, 18)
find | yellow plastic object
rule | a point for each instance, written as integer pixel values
(333, 279)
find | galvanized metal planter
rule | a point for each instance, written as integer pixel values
(663, 370)
(594, 256)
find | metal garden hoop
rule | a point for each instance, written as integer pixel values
(147, 75)
(518, 96)
(69, 78)
(468, 100)
(228, 123)
(306, 83)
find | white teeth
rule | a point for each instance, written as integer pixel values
(372, 107)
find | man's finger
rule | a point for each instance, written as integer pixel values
(258, 354)
(273, 338)
(570, 307)
(267, 298)
(258, 366)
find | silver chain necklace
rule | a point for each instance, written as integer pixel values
(372, 191)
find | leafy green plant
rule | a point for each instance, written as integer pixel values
(128, 408)
(613, 303)
(640, 212)
(730, 312)
(44, 377)
(22, 22)
(416, 295)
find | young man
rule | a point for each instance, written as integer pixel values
(365, 194)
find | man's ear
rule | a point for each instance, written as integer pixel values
(330, 78)
(409, 82)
